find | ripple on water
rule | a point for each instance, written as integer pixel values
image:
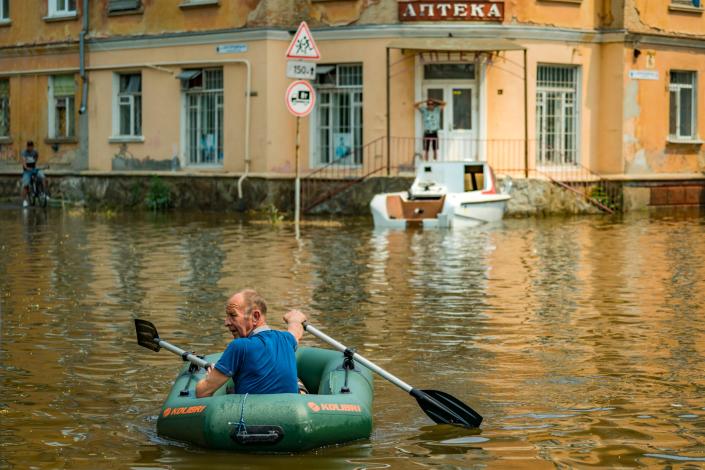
(572, 336)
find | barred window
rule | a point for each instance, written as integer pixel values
(682, 105)
(338, 114)
(341, 76)
(557, 114)
(130, 104)
(203, 89)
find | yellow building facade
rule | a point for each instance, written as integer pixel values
(198, 86)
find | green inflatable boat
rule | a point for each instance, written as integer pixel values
(337, 409)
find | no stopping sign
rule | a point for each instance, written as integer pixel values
(300, 98)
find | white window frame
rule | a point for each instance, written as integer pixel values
(568, 157)
(677, 88)
(55, 10)
(316, 160)
(70, 103)
(192, 101)
(130, 101)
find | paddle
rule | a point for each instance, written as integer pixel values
(439, 406)
(148, 337)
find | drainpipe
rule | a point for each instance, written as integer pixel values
(82, 52)
(248, 98)
(83, 118)
(526, 117)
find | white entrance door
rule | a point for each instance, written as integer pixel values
(458, 134)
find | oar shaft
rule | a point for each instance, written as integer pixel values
(370, 365)
(185, 355)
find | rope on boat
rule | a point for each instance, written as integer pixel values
(241, 426)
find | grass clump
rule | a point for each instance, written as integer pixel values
(158, 195)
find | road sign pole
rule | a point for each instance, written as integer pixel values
(297, 183)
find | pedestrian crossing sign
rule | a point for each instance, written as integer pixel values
(303, 46)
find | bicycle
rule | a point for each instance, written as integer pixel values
(37, 191)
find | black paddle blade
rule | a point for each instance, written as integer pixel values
(147, 335)
(443, 408)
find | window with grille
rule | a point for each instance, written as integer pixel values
(4, 10)
(129, 102)
(62, 7)
(62, 121)
(4, 107)
(203, 94)
(557, 114)
(682, 105)
(338, 115)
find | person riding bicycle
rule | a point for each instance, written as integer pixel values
(30, 157)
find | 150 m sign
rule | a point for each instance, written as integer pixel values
(439, 10)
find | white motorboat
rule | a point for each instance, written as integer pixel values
(443, 194)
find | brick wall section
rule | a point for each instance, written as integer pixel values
(676, 195)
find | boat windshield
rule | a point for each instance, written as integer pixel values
(474, 177)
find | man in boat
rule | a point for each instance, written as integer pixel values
(259, 360)
(430, 110)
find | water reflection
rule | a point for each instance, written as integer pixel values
(578, 339)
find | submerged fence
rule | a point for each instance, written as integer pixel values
(397, 156)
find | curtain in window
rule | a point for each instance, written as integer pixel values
(131, 83)
(120, 5)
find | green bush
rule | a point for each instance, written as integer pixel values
(599, 194)
(158, 194)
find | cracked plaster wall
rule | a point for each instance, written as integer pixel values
(655, 17)
(647, 149)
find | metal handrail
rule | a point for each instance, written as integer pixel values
(506, 156)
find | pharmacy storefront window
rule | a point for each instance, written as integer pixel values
(557, 114)
(338, 115)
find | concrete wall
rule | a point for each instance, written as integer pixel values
(129, 192)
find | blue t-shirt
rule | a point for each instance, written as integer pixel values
(262, 363)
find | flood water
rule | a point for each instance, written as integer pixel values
(580, 340)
